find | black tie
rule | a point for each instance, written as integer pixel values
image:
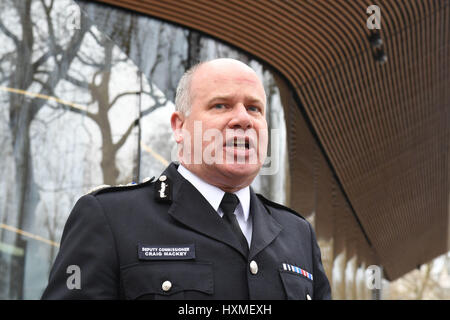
(228, 205)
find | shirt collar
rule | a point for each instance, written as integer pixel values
(213, 194)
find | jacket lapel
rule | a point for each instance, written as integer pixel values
(265, 227)
(190, 208)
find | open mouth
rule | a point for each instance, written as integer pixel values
(240, 143)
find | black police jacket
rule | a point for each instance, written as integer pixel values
(155, 241)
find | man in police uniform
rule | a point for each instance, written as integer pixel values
(198, 231)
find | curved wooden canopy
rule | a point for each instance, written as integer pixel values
(384, 128)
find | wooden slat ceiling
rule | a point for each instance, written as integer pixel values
(383, 127)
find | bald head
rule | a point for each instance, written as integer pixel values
(222, 64)
(208, 70)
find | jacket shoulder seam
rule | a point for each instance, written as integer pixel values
(279, 206)
(106, 188)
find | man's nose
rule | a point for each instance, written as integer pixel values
(241, 118)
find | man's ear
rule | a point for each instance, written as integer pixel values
(177, 122)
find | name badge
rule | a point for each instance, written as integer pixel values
(166, 252)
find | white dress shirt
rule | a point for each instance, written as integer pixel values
(214, 196)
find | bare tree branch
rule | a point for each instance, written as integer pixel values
(10, 34)
(89, 114)
(122, 140)
(99, 42)
(42, 71)
(7, 55)
(64, 63)
(122, 95)
(91, 64)
(158, 60)
(45, 85)
(153, 107)
(51, 31)
(78, 83)
(42, 59)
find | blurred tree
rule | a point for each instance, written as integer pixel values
(35, 62)
(429, 281)
(99, 89)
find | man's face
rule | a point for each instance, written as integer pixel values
(228, 103)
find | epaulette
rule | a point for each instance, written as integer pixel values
(163, 189)
(107, 188)
(278, 206)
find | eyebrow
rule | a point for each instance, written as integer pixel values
(227, 97)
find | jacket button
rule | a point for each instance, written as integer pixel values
(166, 285)
(253, 267)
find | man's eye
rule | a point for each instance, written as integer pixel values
(254, 109)
(219, 106)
